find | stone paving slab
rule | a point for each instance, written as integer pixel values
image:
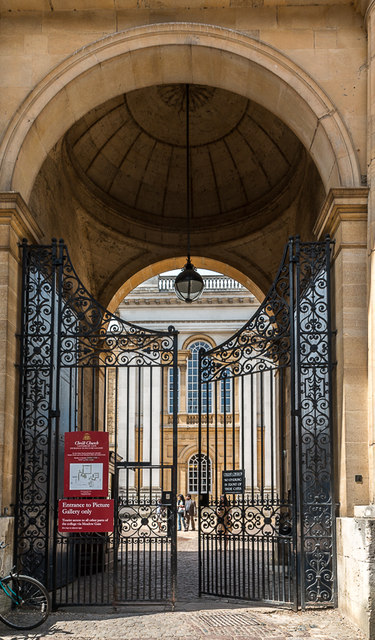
(193, 619)
(197, 623)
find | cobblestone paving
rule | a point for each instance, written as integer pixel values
(193, 619)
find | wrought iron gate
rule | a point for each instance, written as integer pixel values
(82, 368)
(265, 411)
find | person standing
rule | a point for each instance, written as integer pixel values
(224, 525)
(181, 511)
(190, 510)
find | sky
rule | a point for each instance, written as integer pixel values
(203, 272)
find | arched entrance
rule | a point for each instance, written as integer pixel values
(39, 153)
(109, 239)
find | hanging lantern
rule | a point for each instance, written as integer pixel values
(189, 283)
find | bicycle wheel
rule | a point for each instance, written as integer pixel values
(24, 602)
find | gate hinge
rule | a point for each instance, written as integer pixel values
(54, 413)
(57, 262)
(296, 413)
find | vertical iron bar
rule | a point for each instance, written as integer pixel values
(262, 428)
(162, 425)
(242, 427)
(272, 427)
(22, 391)
(139, 406)
(253, 435)
(216, 443)
(294, 505)
(116, 532)
(127, 429)
(105, 398)
(225, 438)
(200, 534)
(82, 394)
(300, 521)
(174, 471)
(328, 244)
(150, 438)
(231, 384)
(70, 399)
(281, 438)
(94, 426)
(294, 376)
(55, 386)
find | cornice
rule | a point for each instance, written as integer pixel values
(15, 212)
(208, 300)
(340, 205)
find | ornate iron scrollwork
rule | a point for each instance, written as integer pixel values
(263, 343)
(63, 327)
(143, 520)
(289, 335)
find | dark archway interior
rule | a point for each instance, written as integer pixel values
(114, 187)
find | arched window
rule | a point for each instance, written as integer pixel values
(192, 380)
(193, 470)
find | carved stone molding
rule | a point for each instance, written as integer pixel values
(349, 205)
(15, 213)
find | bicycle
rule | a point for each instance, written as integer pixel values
(24, 601)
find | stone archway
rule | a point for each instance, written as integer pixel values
(175, 263)
(169, 53)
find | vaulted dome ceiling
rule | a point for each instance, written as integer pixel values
(130, 153)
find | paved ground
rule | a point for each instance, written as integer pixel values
(193, 619)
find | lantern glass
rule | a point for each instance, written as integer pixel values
(189, 284)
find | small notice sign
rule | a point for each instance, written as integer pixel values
(86, 464)
(234, 481)
(95, 516)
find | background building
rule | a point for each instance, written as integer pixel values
(222, 310)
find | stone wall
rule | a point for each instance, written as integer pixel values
(6, 535)
(356, 570)
(327, 40)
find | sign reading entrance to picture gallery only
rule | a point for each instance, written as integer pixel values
(86, 464)
(85, 516)
(234, 481)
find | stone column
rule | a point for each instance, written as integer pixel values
(16, 222)
(344, 217)
(370, 24)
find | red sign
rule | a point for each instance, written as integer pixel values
(86, 464)
(95, 516)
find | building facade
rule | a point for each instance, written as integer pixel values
(224, 308)
(91, 150)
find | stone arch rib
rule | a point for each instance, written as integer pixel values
(289, 93)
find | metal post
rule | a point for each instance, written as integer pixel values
(328, 245)
(200, 383)
(21, 394)
(174, 468)
(58, 263)
(293, 429)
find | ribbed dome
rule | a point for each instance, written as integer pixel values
(132, 150)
